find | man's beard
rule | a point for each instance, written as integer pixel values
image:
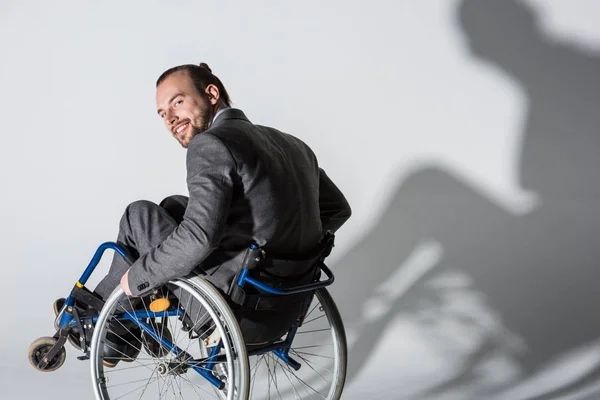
(204, 121)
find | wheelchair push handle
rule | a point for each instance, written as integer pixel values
(252, 257)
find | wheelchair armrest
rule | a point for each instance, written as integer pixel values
(98, 255)
(244, 278)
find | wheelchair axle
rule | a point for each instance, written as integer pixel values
(171, 368)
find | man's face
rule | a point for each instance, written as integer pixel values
(185, 112)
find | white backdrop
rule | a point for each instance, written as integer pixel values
(378, 89)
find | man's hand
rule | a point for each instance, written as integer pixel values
(125, 283)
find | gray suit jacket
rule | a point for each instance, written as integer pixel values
(247, 183)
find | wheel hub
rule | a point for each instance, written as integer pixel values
(162, 368)
(171, 368)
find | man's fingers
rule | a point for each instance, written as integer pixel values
(125, 283)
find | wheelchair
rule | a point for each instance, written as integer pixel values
(187, 340)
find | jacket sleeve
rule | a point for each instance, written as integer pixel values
(334, 207)
(210, 175)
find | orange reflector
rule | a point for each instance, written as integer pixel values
(159, 305)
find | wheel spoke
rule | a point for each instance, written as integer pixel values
(164, 373)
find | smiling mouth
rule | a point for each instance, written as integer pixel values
(181, 130)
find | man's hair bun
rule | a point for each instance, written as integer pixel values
(205, 66)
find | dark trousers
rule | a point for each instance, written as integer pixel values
(143, 226)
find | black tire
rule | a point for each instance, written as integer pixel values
(38, 350)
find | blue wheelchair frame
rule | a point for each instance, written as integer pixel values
(280, 349)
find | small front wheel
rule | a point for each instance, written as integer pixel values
(38, 350)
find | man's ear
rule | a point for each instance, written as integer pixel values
(212, 91)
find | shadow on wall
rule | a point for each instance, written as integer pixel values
(505, 306)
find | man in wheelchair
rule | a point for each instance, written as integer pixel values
(248, 184)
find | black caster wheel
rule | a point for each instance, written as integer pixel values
(38, 350)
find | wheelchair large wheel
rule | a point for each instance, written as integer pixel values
(319, 347)
(169, 354)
